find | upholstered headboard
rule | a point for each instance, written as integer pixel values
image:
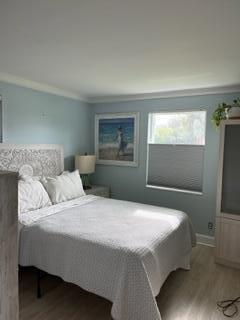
(33, 160)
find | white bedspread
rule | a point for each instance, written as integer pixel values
(120, 250)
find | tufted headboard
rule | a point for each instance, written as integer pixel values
(32, 159)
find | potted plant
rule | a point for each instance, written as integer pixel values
(225, 111)
(234, 111)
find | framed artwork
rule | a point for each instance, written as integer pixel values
(116, 139)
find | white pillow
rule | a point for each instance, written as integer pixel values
(65, 187)
(31, 196)
(26, 177)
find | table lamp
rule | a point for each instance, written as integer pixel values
(85, 165)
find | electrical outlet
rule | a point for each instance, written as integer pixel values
(210, 225)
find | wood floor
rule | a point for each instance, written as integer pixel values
(186, 295)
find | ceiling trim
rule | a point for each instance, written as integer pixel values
(8, 78)
(167, 94)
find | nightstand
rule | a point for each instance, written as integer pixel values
(101, 191)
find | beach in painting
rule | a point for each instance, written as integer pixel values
(116, 139)
(112, 154)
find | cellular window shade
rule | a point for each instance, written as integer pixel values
(176, 166)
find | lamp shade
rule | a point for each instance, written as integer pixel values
(85, 164)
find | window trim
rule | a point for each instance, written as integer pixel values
(149, 186)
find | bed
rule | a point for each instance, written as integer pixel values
(122, 251)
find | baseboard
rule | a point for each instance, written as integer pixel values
(205, 240)
(227, 263)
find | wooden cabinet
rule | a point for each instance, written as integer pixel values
(8, 246)
(228, 196)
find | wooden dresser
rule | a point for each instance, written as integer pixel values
(8, 246)
(227, 236)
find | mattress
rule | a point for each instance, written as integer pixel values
(120, 250)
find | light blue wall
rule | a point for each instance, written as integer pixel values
(31, 116)
(129, 183)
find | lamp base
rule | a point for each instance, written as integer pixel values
(87, 187)
(86, 181)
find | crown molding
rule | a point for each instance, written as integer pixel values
(167, 94)
(8, 78)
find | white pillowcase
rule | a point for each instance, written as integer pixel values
(31, 196)
(65, 187)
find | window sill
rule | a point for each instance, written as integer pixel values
(174, 190)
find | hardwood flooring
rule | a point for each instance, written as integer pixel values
(186, 295)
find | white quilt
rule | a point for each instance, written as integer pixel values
(120, 250)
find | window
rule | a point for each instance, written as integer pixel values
(176, 142)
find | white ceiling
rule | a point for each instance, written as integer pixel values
(121, 47)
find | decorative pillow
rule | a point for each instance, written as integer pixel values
(31, 196)
(26, 177)
(65, 187)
